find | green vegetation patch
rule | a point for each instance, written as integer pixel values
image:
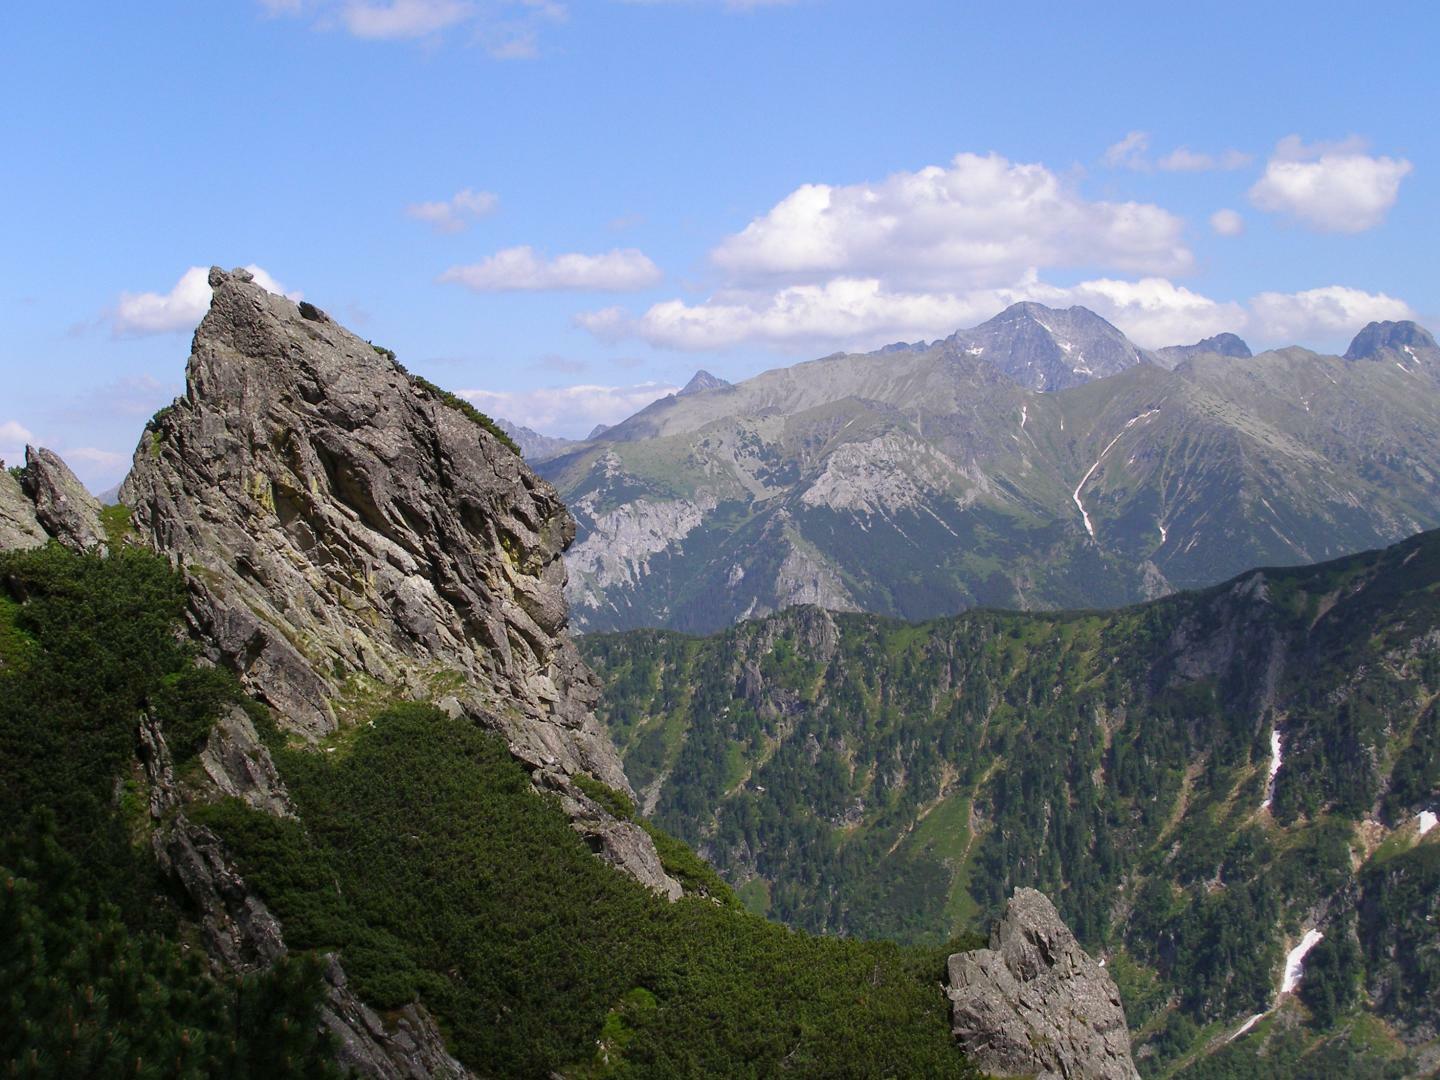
(511, 916)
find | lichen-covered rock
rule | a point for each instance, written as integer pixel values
(19, 528)
(1035, 1004)
(62, 505)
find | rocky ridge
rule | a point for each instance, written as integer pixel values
(1035, 1004)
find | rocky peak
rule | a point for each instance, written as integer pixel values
(353, 536)
(1379, 340)
(1219, 345)
(701, 381)
(47, 501)
(1035, 1004)
(1045, 348)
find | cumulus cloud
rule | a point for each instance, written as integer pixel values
(1331, 187)
(1227, 222)
(454, 214)
(851, 312)
(522, 269)
(1325, 314)
(568, 411)
(860, 314)
(137, 314)
(978, 220)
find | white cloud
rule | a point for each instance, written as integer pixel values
(1227, 222)
(1183, 159)
(521, 269)
(850, 312)
(454, 214)
(1328, 314)
(977, 221)
(569, 411)
(1332, 187)
(91, 455)
(507, 29)
(404, 18)
(12, 431)
(14, 437)
(860, 314)
(137, 314)
(1129, 152)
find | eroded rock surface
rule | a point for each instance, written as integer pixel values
(19, 527)
(348, 535)
(62, 505)
(1035, 1004)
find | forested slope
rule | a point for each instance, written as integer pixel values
(856, 774)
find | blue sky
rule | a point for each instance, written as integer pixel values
(565, 207)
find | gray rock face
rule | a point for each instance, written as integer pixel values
(1406, 343)
(1035, 1004)
(701, 381)
(1044, 348)
(345, 531)
(350, 539)
(239, 765)
(1172, 356)
(19, 528)
(62, 505)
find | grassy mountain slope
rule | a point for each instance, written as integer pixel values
(852, 773)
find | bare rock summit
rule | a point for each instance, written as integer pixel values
(352, 536)
(1035, 1004)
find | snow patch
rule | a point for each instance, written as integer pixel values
(1295, 962)
(1089, 527)
(1275, 761)
(1427, 821)
(1246, 1026)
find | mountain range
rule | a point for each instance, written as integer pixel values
(1037, 461)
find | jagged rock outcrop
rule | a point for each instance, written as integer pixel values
(349, 534)
(352, 536)
(1035, 1004)
(19, 527)
(62, 505)
(47, 501)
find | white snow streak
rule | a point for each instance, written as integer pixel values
(1246, 1026)
(1089, 528)
(1275, 760)
(1295, 962)
(1427, 821)
(1024, 415)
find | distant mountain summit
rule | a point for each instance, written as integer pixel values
(533, 445)
(1044, 348)
(1403, 342)
(701, 381)
(1172, 356)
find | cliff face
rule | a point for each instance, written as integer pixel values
(346, 530)
(352, 537)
